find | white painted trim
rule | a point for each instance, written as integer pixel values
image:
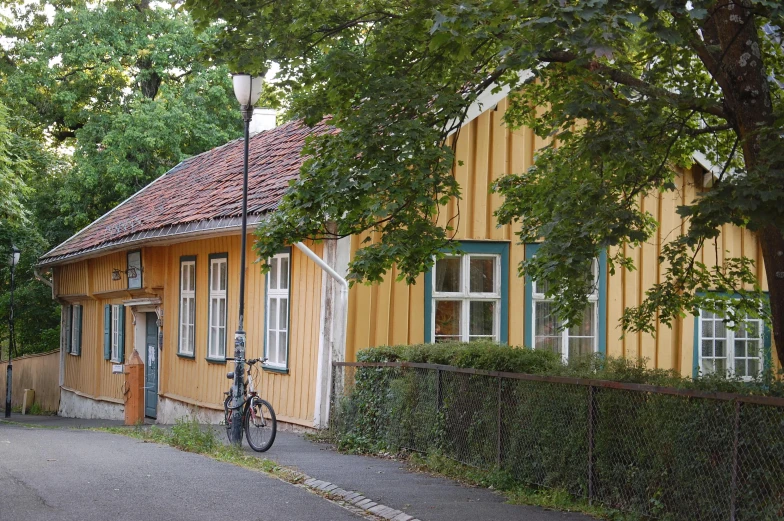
(332, 343)
(489, 99)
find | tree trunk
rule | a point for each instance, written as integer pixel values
(739, 71)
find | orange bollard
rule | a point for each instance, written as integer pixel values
(134, 390)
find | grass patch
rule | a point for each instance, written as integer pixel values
(189, 436)
(515, 492)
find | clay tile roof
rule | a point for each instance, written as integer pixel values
(202, 193)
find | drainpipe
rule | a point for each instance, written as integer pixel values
(322, 417)
(37, 274)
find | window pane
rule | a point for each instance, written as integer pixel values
(707, 348)
(587, 326)
(482, 317)
(284, 273)
(214, 276)
(541, 287)
(580, 347)
(272, 346)
(191, 311)
(282, 347)
(284, 315)
(482, 275)
(753, 367)
(740, 368)
(135, 270)
(721, 329)
(223, 268)
(721, 365)
(740, 348)
(273, 314)
(192, 277)
(546, 328)
(222, 313)
(273, 273)
(448, 275)
(752, 328)
(448, 318)
(447, 339)
(222, 342)
(720, 348)
(707, 328)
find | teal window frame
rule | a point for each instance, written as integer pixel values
(187, 259)
(478, 248)
(211, 257)
(277, 368)
(767, 344)
(601, 302)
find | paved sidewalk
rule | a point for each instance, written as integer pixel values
(388, 490)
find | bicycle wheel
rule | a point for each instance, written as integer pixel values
(227, 415)
(260, 425)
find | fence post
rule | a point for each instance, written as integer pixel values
(734, 485)
(332, 397)
(498, 427)
(591, 441)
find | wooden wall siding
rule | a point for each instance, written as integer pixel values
(72, 279)
(200, 382)
(101, 273)
(671, 348)
(39, 372)
(154, 263)
(391, 313)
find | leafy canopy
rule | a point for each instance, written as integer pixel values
(628, 89)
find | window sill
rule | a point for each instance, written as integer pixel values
(216, 360)
(114, 361)
(73, 354)
(186, 356)
(273, 369)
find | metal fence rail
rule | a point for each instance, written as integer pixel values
(658, 451)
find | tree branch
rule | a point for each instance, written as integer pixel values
(643, 87)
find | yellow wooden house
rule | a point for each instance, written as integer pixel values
(159, 274)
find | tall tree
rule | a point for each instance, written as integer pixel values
(118, 86)
(102, 97)
(628, 88)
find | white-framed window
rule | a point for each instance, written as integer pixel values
(116, 325)
(549, 331)
(218, 279)
(134, 269)
(187, 306)
(737, 352)
(276, 348)
(467, 298)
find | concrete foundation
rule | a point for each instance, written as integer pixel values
(169, 411)
(74, 406)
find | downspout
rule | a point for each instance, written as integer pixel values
(38, 276)
(324, 370)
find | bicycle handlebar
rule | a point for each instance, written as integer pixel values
(250, 361)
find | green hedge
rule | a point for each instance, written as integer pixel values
(658, 455)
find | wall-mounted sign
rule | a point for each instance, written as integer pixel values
(117, 368)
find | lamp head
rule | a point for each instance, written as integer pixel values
(13, 258)
(247, 89)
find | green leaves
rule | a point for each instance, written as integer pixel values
(627, 91)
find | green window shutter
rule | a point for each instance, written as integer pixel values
(107, 332)
(77, 347)
(68, 315)
(121, 336)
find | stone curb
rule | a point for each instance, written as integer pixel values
(355, 499)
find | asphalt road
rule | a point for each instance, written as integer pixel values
(63, 475)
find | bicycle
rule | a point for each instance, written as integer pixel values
(258, 417)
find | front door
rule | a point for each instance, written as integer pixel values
(151, 367)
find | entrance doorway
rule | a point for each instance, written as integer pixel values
(151, 366)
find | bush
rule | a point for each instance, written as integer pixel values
(653, 454)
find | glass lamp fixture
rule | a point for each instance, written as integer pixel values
(247, 88)
(13, 258)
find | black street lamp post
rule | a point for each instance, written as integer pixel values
(247, 90)
(13, 260)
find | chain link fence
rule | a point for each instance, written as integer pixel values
(660, 452)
